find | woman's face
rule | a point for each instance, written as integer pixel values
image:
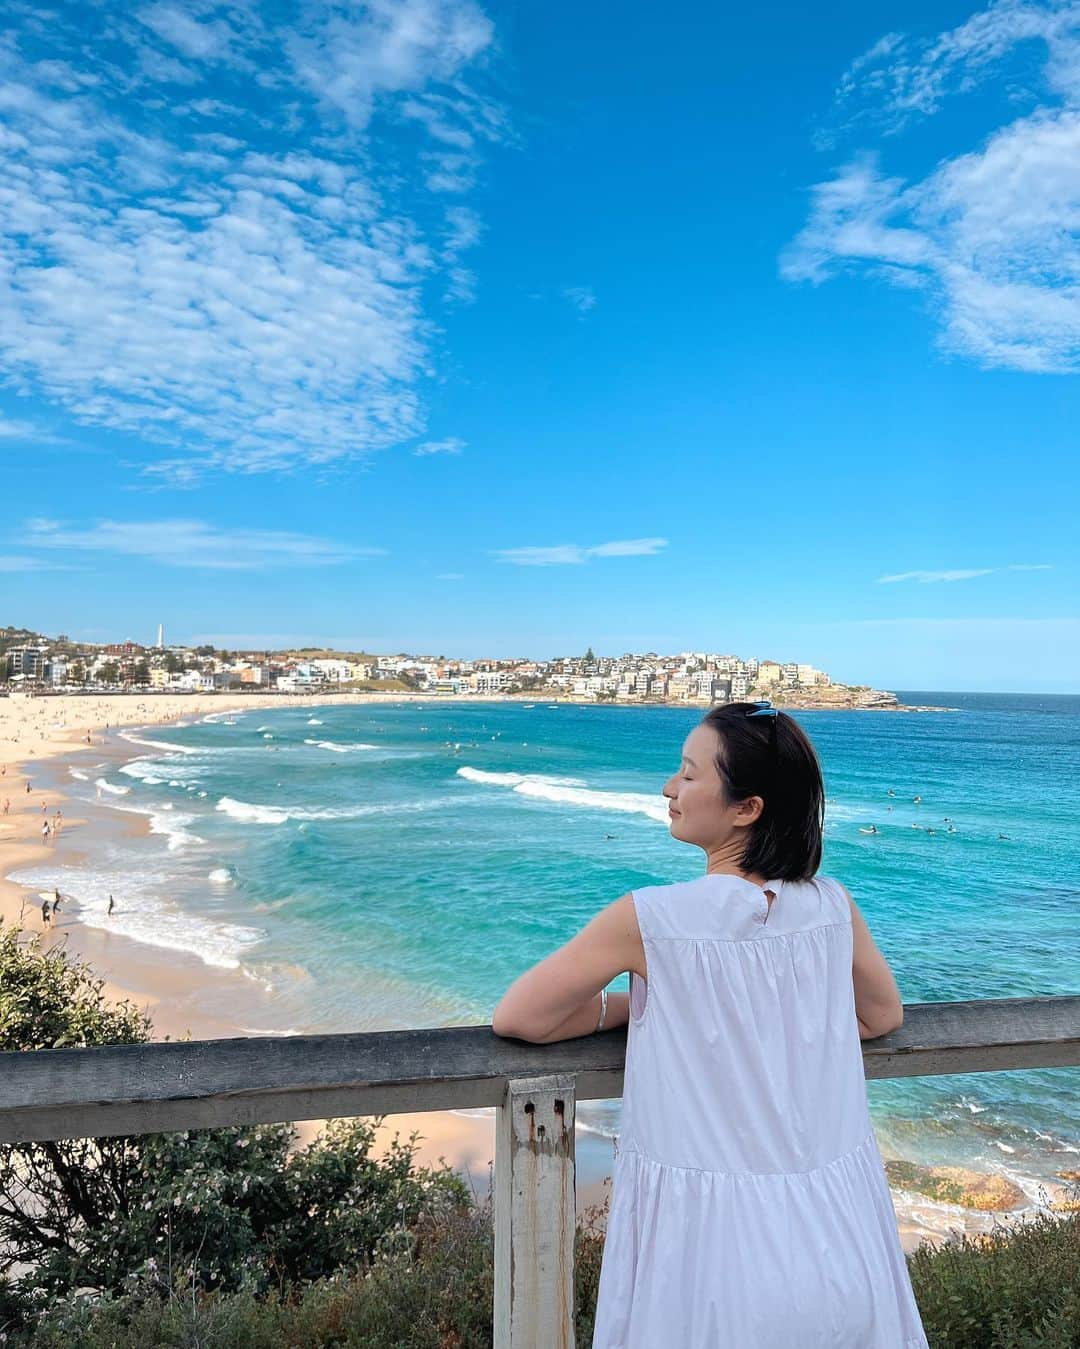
(698, 808)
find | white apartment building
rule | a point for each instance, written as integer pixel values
(29, 662)
(333, 671)
(488, 681)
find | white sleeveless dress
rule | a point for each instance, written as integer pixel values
(749, 1204)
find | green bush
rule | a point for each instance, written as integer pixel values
(1017, 1289)
(1014, 1291)
(434, 1292)
(220, 1209)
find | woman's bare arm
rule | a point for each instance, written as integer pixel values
(878, 1007)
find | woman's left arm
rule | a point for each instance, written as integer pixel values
(558, 999)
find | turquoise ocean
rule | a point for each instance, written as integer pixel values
(393, 865)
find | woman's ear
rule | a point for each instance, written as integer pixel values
(748, 811)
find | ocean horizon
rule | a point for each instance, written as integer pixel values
(399, 865)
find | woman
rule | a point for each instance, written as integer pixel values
(750, 1208)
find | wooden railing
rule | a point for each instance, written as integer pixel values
(153, 1088)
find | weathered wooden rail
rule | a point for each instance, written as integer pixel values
(135, 1089)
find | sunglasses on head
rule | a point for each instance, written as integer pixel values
(763, 708)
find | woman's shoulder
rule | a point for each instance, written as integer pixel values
(730, 907)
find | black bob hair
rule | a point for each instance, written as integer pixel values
(784, 842)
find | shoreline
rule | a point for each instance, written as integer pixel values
(174, 987)
(327, 698)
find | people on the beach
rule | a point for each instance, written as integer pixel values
(112, 905)
(56, 900)
(45, 912)
(45, 831)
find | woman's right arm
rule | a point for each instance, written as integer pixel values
(878, 1007)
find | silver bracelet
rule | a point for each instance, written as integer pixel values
(603, 1010)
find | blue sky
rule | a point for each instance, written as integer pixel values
(517, 328)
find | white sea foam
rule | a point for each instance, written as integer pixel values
(145, 770)
(142, 913)
(173, 827)
(314, 721)
(248, 812)
(516, 779)
(166, 745)
(111, 787)
(82, 777)
(220, 876)
(346, 748)
(567, 792)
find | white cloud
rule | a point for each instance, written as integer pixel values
(256, 304)
(193, 543)
(993, 235)
(15, 563)
(960, 574)
(580, 298)
(13, 429)
(573, 554)
(451, 445)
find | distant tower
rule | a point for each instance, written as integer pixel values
(161, 636)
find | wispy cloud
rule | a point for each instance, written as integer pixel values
(573, 554)
(960, 573)
(252, 292)
(451, 445)
(12, 429)
(15, 563)
(193, 543)
(580, 298)
(990, 234)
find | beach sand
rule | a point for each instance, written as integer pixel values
(175, 988)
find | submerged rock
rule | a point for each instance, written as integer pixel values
(986, 1191)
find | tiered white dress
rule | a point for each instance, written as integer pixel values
(749, 1204)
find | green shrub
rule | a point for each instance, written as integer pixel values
(218, 1209)
(1017, 1289)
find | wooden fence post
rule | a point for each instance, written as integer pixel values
(535, 1214)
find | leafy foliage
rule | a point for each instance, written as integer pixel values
(1016, 1289)
(220, 1209)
